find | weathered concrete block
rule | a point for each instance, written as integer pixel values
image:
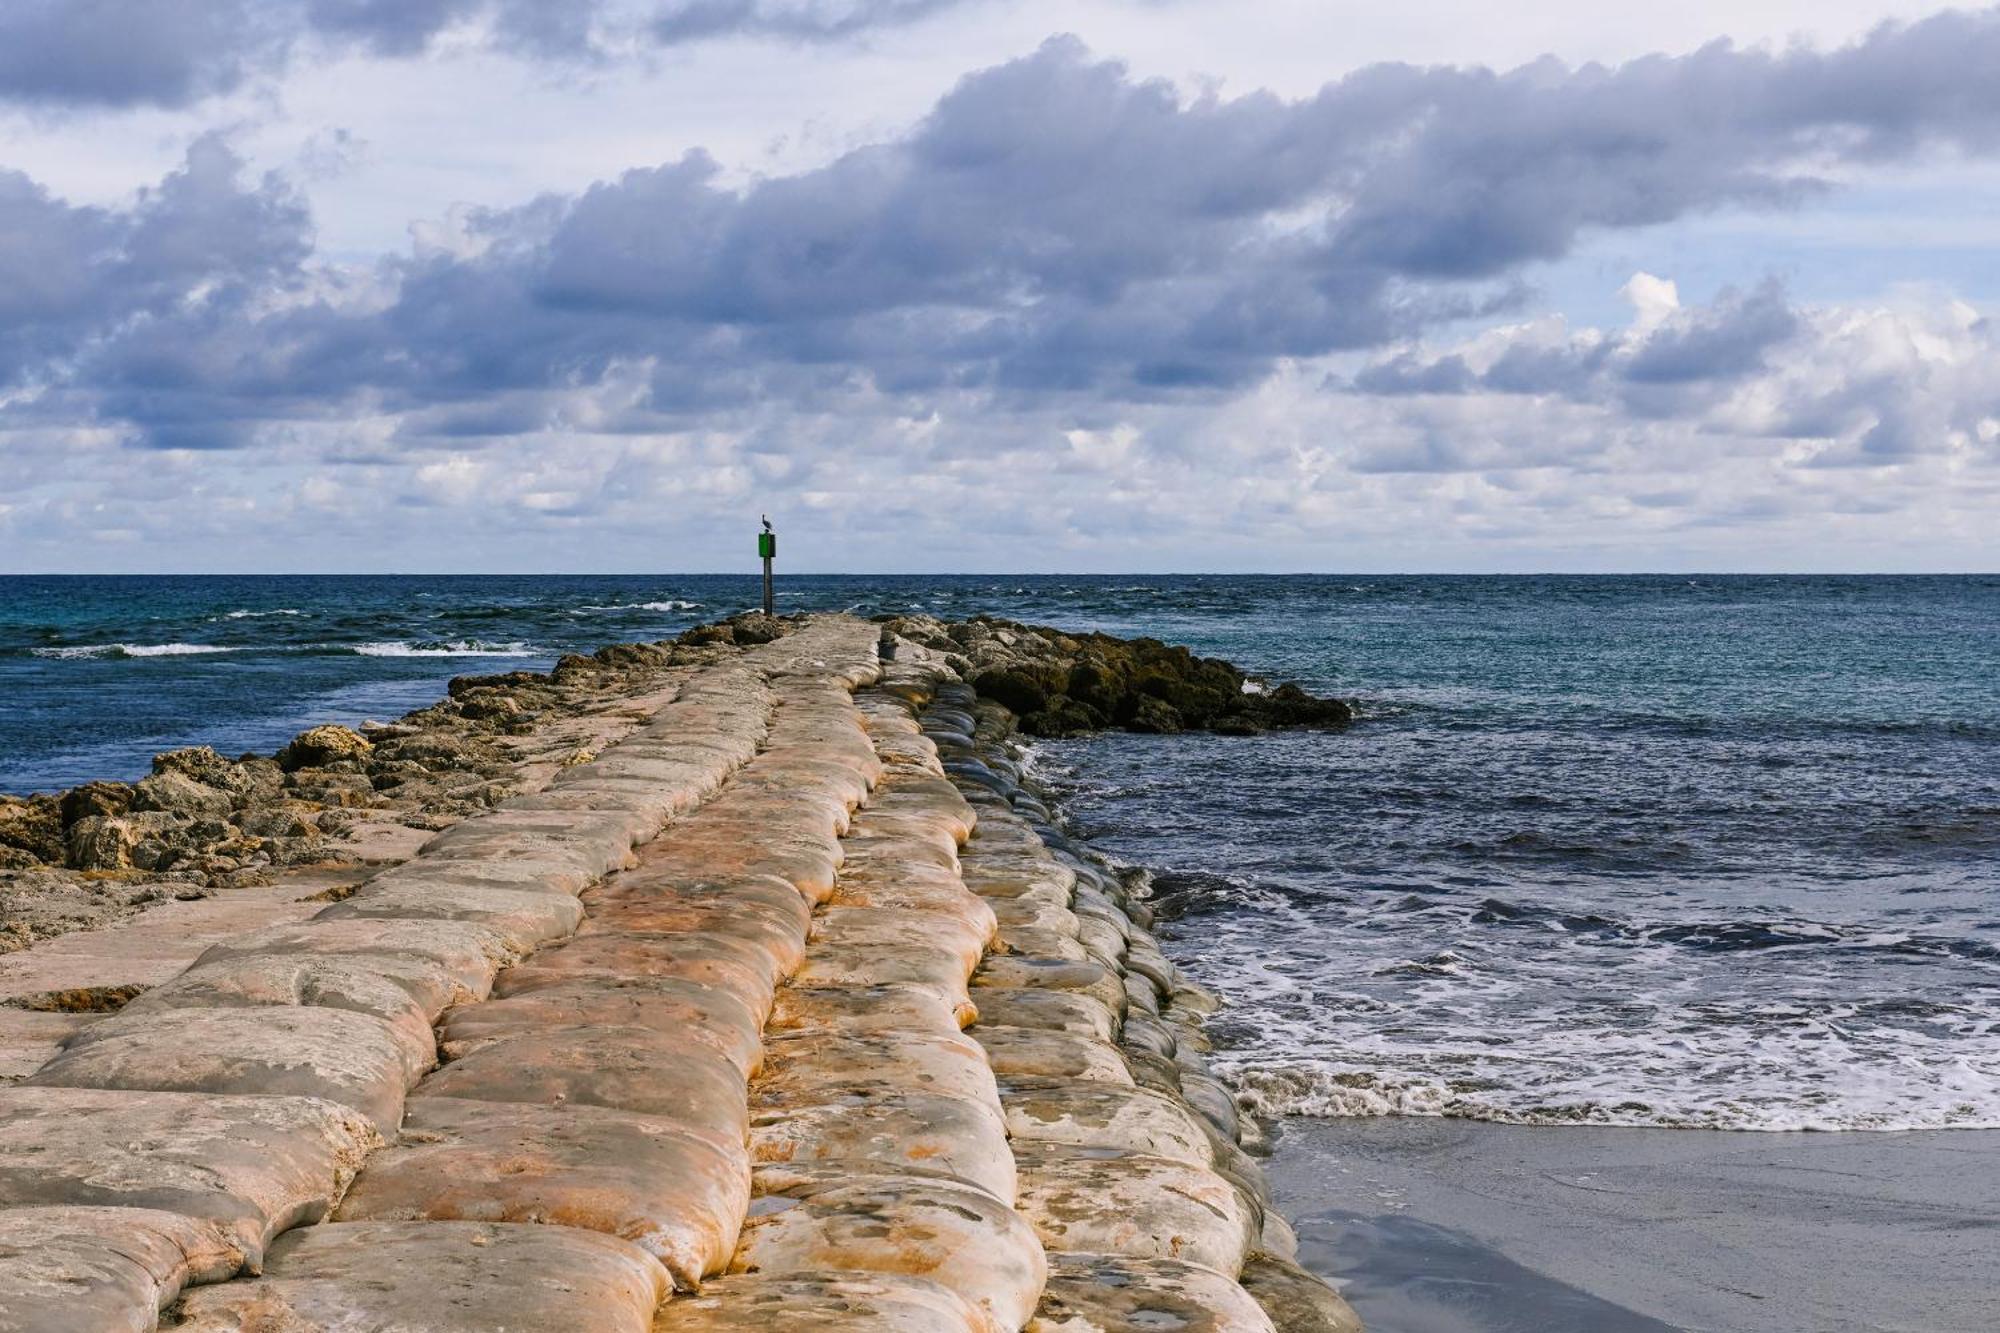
(1030, 1053)
(625, 1069)
(1111, 1294)
(954, 1234)
(250, 1165)
(890, 1131)
(1056, 1011)
(523, 918)
(743, 969)
(1098, 1201)
(692, 1011)
(437, 1277)
(677, 1195)
(103, 1269)
(1098, 1115)
(823, 1303)
(469, 954)
(819, 1066)
(1053, 974)
(406, 993)
(340, 1055)
(1295, 1300)
(896, 1008)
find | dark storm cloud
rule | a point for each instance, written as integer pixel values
(1053, 231)
(174, 52)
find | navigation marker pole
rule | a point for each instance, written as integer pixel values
(767, 546)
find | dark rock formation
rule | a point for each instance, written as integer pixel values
(1064, 684)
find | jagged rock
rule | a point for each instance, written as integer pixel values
(175, 792)
(95, 798)
(33, 825)
(317, 747)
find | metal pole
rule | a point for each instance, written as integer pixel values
(767, 546)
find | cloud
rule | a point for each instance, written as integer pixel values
(117, 53)
(1851, 384)
(1059, 265)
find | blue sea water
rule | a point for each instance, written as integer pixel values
(1715, 851)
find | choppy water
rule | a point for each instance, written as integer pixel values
(1715, 851)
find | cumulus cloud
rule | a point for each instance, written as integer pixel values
(173, 52)
(1834, 385)
(1058, 266)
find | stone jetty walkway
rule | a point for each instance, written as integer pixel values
(791, 1010)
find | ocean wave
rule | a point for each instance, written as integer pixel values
(255, 615)
(625, 608)
(114, 650)
(1335, 1092)
(442, 648)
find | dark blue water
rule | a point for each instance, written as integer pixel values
(1714, 851)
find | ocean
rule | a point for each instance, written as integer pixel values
(1709, 852)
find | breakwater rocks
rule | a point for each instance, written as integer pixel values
(791, 1009)
(1062, 684)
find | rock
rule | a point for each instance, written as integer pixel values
(33, 825)
(98, 842)
(175, 792)
(95, 798)
(1156, 716)
(754, 627)
(317, 747)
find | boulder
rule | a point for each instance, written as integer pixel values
(95, 798)
(175, 792)
(33, 825)
(317, 747)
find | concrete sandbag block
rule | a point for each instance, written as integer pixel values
(1047, 1010)
(817, 1066)
(893, 1008)
(1113, 1294)
(735, 964)
(437, 1277)
(1054, 974)
(249, 1165)
(1038, 942)
(776, 932)
(1144, 1032)
(1038, 913)
(1295, 1300)
(1099, 1201)
(468, 953)
(1098, 1115)
(523, 918)
(843, 932)
(340, 1055)
(939, 892)
(103, 1270)
(646, 887)
(950, 1233)
(711, 1016)
(596, 842)
(822, 1303)
(406, 993)
(485, 873)
(624, 1069)
(1043, 1053)
(677, 1195)
(889, 1130)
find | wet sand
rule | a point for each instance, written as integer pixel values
(1454, 1226)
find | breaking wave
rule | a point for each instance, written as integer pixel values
(447, 648)
(114, 650)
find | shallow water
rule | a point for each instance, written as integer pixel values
(1661, 851)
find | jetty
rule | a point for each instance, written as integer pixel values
(791, 1007)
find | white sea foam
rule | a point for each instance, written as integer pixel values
(254, 615)
(79, 651)
(671, 604)
(458, 648)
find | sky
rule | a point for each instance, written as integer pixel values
(998, 285)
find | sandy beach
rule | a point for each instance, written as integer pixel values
(1457, 1226)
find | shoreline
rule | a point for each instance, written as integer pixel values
(1435, 1225)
